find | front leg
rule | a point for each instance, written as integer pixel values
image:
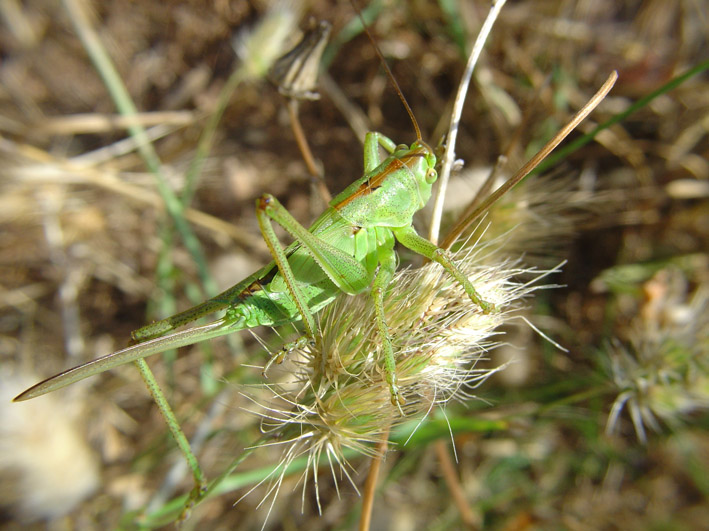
(387, 267)
(409, 238)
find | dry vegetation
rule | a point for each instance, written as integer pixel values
(87, 253)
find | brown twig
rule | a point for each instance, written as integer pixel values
(453, 483)
(370, 486)
(315, 172)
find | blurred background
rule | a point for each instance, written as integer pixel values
(611, 434)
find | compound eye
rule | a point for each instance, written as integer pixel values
(431, 176)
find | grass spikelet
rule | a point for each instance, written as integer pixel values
(662, 372)
(260, 47)
(538, 218)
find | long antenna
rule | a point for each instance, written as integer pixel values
(388, 71)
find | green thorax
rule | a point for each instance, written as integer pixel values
(389, 195)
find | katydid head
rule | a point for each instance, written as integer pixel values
(420, 160)
(427, 153)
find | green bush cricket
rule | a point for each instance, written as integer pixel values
(349, 248)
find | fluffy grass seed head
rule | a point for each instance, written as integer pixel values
(537, 218)
(338, 397)
(662, 373)
(260, 47)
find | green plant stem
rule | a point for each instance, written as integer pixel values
(207, 137)
(126, 107)
(168, 512)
